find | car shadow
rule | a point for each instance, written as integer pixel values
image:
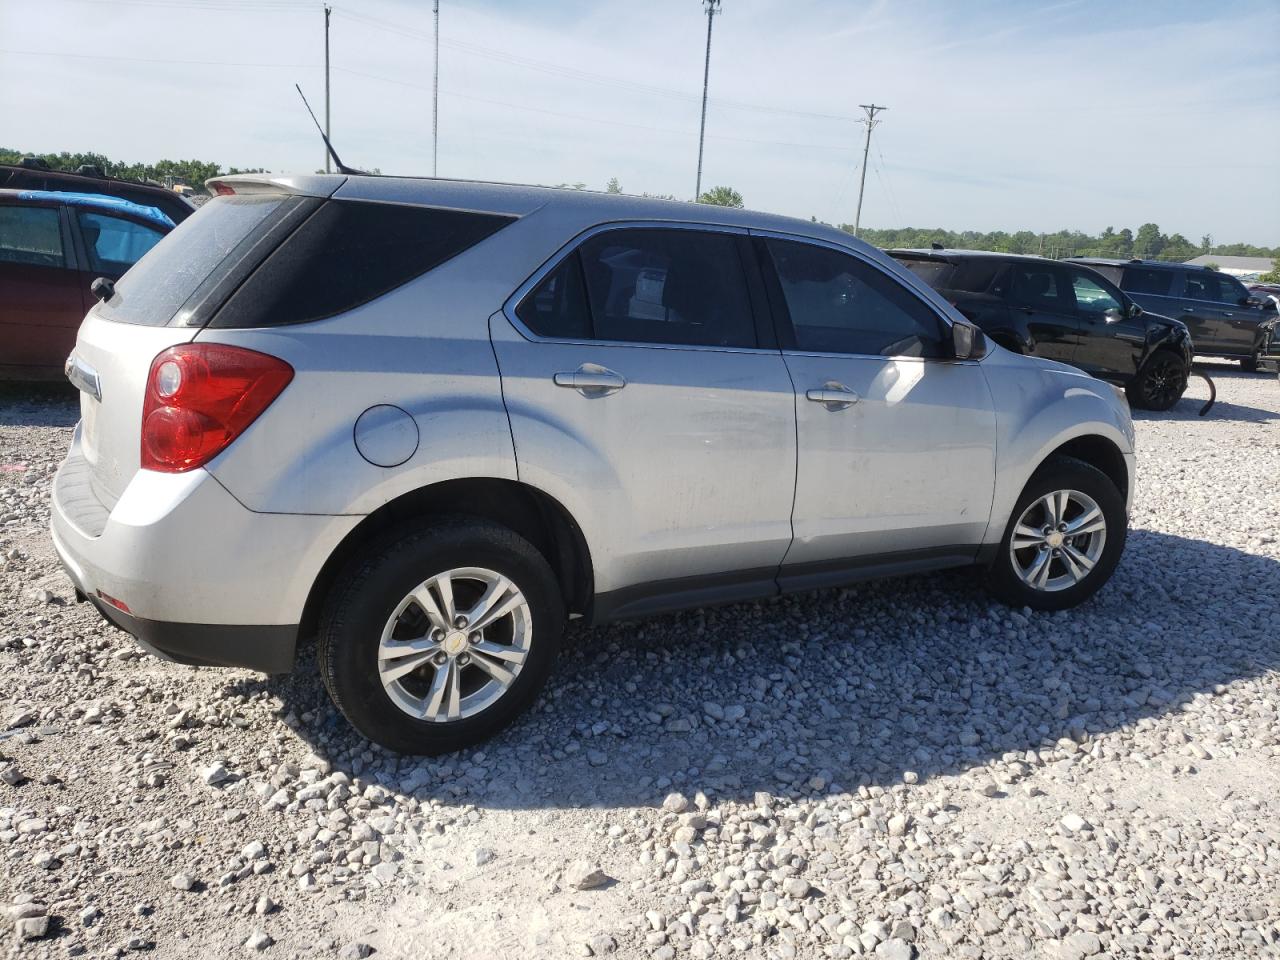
(53, 404)
(946, 680)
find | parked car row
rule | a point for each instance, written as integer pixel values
(53, 246)
(427, 421)
(1065, 312)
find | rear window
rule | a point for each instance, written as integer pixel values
(936, 273)
(350, 252)
(159, 284)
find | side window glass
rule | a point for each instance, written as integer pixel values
(667, 286)
(1154, 282)
(1207, 285)
(1092, 297)
(114, 245)
(31, 235)
(557, 307)
(838, 304)
(1040, 287)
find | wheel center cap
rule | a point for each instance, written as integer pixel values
(1054, 539)
(454, 644)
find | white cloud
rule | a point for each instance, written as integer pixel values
(1009, 115)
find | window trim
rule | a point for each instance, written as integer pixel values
(761, 314)
(782, 318)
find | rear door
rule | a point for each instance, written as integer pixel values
(1040, 295)
(40, 299)
(645, 396)
(896, 441)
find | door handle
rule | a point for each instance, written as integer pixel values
(834, 396)
(591, 380)
(1228, 315)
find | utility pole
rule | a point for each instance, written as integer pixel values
(327, 10)
(713, 7)
(872, 109)
(435, 93)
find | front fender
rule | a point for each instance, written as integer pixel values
(1040, 406)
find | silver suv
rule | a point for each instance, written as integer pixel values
(428, 421)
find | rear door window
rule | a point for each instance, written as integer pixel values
(114, 244)
(840, 304)
(31, 236)
(1151, 281)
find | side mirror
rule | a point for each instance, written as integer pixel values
(1135, 311)
(967, 341)
(1113, 314)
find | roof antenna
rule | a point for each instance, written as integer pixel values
(337, 161)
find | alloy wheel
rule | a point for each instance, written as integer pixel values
(1058, 540)
(455, 644)
(1163, 383)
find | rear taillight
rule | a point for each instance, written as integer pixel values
(200, 397)
(222, 189)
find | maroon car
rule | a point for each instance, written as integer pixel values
(53, 245)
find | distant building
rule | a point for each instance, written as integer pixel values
(1236, 266)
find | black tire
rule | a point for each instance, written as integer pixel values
(368, 591)
(1160, 383)
(1062, 473)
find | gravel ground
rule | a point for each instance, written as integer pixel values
(898, 769)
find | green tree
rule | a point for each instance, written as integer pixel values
(1272, 275)
(613, 186)
(721, 197)
(1149, 241)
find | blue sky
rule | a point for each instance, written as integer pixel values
(1003, 115)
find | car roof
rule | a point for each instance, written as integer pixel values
(953, 256)
(1134, 262)
(516, 199)
(93, 201)
(36, 177)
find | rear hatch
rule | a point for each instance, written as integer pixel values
(165, 299)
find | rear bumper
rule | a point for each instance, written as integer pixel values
(266, 649)
(205, 580)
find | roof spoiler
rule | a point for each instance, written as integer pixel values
(305, 185)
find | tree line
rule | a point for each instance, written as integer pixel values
(1148, 242)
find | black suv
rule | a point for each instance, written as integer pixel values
(1224, 318)
(1064, 312)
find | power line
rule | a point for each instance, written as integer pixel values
(571, 73)
(872, 109)
(435, 93)
(712, 7)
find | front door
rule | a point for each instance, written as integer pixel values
(40, 299)
(896, 441)
(1111, 340)
(1040, 296)
(642, 397)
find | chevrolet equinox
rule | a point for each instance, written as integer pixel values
(428, 421)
